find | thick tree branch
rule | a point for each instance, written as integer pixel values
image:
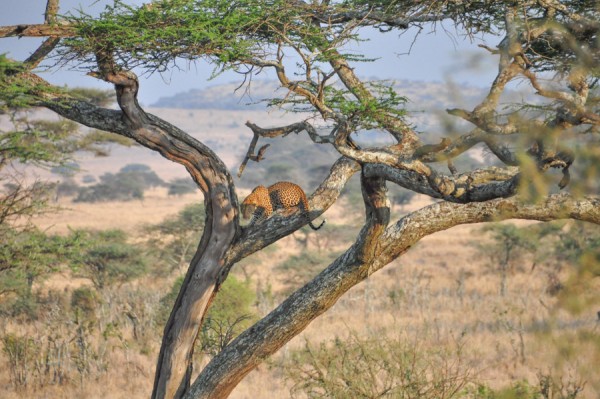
(475, 186)
(262, 234)
(39, 30)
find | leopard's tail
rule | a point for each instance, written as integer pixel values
(312, 226)
(305, 206)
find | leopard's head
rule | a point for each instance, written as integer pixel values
(248, 210)
(257, 199)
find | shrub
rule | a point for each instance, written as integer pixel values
(176, 237)
(84, 300)
(108, 259)
(375, 367)
(229, 315)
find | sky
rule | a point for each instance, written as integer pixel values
(441, 56)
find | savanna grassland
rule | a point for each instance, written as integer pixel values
(455, 306)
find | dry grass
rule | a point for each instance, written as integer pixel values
(440, 291)
(127, 216)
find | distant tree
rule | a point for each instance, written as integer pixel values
(403, 197)
(67, 188)
(509, 246)
(126, 185)
(122, 187)
(577, 247)
(85, 301)
(142, 172)
(87, 179)
(181, 186)
(307, 46)
(68, 170)
(29, 256)
(176, 238)
(108, 259)
(136, 167)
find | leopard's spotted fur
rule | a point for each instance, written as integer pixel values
(262, 201)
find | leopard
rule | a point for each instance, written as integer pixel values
(263, 201)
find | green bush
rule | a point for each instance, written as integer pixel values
(85, 300)
(375, 367)
(21, 352)
(301, 268)
(108, 258)
(231, 312)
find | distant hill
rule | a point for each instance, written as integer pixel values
(226, 96)
(423, 96)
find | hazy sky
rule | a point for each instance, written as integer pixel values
(434, 56)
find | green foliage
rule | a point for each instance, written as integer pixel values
(108, 259)
(367, 115)
(177, 237)
(39, 142)
(556, 245)
(509, 248)
(375, 367)
(154, 35)
(548, 387)
(18, 90)
(27, 256)
(166, 304)
(20, 352)
(93, 141)
(509, 243)
(519, 390)
(580, 291)
(101, 98)
(231, 312)
(85, 300)
(50, 143)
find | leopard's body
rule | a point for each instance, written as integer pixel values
(263, 201)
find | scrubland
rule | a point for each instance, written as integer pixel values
(443, 296)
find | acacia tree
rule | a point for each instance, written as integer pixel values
(551, 44)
